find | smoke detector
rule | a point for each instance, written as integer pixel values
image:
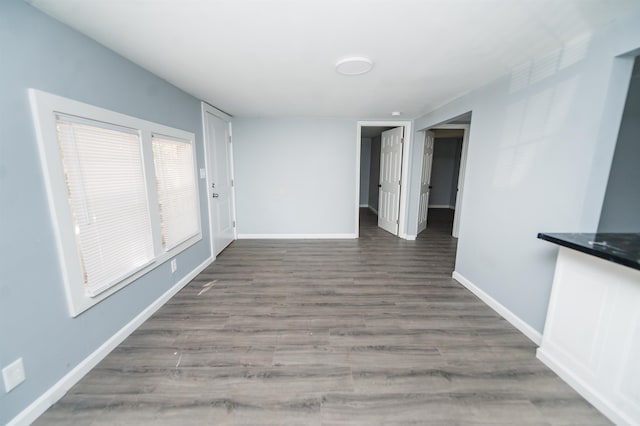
(355, 65)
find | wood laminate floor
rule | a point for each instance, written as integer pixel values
(344, 332)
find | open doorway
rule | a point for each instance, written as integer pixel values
(443, 167)
(370, 141)
(382, 161)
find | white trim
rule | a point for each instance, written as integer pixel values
(364, 205)
(404, 185)
(296, 236)
(504, 312)
(58, 390)
(233, 176)
(203, 111)
(462, 172)
(356, 228)
(410, 237)
(404, 188)
(375, 211)
(587, 392)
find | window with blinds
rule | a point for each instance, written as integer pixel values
(104, 174)
(123, 195)
(177, 194)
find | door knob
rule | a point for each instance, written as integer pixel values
(214, 195)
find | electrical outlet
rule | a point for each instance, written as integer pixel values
(13, 374)
(174, 265)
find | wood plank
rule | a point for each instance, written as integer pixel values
(359, 332)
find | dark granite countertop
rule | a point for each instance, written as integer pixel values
(619, 248)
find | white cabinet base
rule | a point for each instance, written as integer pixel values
(592, 333)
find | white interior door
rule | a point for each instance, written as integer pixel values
(220, 178)
(390, 175)
(425, 180)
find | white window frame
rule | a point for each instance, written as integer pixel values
(45, 107)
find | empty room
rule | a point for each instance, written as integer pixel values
(279, 212)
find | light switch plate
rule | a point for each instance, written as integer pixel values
(13, 374)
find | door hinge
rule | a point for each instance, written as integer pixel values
(229, 137)
(397, 221)
(399, 183)
(401, 140)
(231, 182)
(234, 223)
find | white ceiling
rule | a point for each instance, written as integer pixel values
(277, 57)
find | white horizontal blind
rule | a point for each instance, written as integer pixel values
(106, 188)
(176, 186)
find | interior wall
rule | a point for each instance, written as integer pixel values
(34, 319)
(621, 207)
(374, 176)
(444, 169)
(295, 176)
(540, 147)
(365, 170)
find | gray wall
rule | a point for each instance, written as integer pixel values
(621, 207)
(295, 176)
(34, 319)
(374, 176)
(365, 170)
(444, 171)
(540, 148)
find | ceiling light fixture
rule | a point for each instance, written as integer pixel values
(396, 113)
(355, 65)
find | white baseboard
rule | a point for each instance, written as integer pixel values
(296, 236)
(364, 205)
(58, 390)
(410, 237)
(375, 211)
(533, 334)
(441, 206)
(587, 392)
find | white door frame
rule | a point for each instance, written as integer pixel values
(461, 173)
(206, 108)
(408, 136)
